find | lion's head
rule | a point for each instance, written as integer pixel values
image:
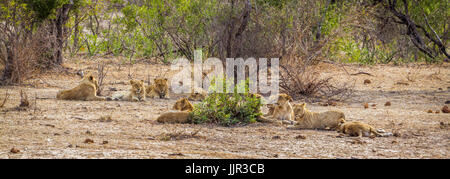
(299, 109)
(161, 87)
(283, 99)
(183, 104)
(138, 89)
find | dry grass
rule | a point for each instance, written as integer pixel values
(59, 129)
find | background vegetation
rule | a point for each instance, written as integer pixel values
(39, 34)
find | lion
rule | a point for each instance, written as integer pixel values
(305, 119)
(160, 88)
(198, 96)
(86, 91)
(183, 104)
(283, 109)
(175, 117)
(136, 93)
(360, 129)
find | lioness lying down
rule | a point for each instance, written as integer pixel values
(305, 119)
(360, 129)
(86, 91)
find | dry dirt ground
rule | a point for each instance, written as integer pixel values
(53, 128)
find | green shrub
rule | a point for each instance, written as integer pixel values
(228, 109)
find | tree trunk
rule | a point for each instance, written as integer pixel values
(60, 21)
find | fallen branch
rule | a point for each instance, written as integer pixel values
(362, 73)
(4, 100)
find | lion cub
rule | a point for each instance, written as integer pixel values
(283, 109)
(359, 129)
(198, 96)
(175, 117)
(306, 119)
(160, 88)
(86, 90)
(136, 93)
(183, 104)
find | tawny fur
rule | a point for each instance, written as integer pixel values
(198, 95)
(283, 110)
(86, 91)
(183, 104)
(136, 93)
(359, 129)
(160, 88)
(175, 117)
(305, 119)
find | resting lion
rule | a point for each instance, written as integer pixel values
(136, 93)
(283, 109)
(160, 88)
(86, 90)
(305, 119)
(175, 117)
(183, 104)
(198, 96)
(359, 129)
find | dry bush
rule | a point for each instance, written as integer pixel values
(28, 54)
(24, 99)
(300, 77)
(102, 73)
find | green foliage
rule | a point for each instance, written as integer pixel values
(228, 108)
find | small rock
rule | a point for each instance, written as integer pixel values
(300, 137)
(437, 112)
(430, 111)
(394, 142)
(373, 105)
(14, 150)
(388, 103)
(105, 142)
(445, 109)
(276, 137)
(367, 81)
(366, 105)
(440, 89)
(88, 141)
(88, 132)
(70, 146)
(275, 156)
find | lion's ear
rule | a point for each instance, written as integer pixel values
(289, 98)
(132, 82)
(165, 79)
(303, 105)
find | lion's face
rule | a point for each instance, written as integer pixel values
(299, 109)
(138, 88)
(181, 104)
(283, 99)
(161, 87)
